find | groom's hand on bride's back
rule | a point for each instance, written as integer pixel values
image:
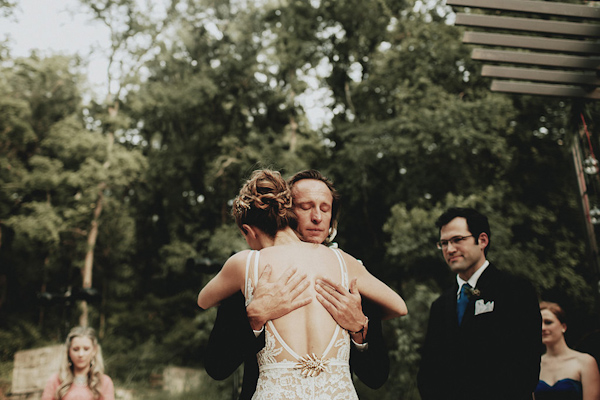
(271, 300)
(344, 305)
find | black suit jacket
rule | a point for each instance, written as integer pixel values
(491, 356)
(232, 343)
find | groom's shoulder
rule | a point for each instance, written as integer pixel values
(505, 275)
(508, 283)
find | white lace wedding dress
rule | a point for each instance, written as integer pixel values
(286, 375)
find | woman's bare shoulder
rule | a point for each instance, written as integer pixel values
(585, 360)
(236, 262)
(354, 265)
(239, 257)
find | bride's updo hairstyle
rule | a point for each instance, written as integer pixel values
(265, 201)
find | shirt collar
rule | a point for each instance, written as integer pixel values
(473, 279)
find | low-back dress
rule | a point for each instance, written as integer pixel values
(286, 375)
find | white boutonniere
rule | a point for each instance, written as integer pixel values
(473, 293)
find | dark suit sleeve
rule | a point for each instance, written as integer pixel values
(524, 345)
(512, 342)
(431, 378)
(372, 365)
(231, 340)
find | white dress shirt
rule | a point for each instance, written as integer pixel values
(473, 279)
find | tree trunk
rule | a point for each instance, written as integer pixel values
(93, 234)
(89, 255)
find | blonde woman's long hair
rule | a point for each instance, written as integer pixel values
(95, 372)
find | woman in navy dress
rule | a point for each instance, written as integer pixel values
(565, 374)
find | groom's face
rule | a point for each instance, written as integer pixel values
(465, 256)
(313, 204)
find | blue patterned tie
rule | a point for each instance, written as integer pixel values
(461, 303)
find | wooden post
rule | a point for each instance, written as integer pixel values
(585, 203)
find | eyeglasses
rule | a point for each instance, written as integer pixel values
(456, 240)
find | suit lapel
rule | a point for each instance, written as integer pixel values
(450, 307)
(487, 280)
(485, 283)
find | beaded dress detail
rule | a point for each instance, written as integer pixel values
(286, 375)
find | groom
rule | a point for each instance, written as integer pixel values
(238, 332)
(484, 335)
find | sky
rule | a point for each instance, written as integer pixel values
(57, 26)
(63, 27)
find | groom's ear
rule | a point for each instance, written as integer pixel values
(483, 240)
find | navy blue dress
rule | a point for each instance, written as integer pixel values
(565, 389)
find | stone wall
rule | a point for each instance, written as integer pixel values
(177, 380)
(32, 369)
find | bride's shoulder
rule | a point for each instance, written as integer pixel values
(237, 259)
(343, 253)
(354, 264)
(240, 255)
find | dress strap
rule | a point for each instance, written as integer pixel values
(256, 267)
(332, 341)
(280, 340)
(248, 288)
(343, 267)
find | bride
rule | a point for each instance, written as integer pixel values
(306, 352)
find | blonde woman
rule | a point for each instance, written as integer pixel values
(306, 352)
(565, 374)
(81, 375)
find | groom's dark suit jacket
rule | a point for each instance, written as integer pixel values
(494, 354)
(232, 343)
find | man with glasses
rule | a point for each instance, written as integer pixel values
(484, 335)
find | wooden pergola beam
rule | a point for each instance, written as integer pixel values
(554, 50)
(550, 60)
(529, 25)
(541, 75)
(532, 42)
(544, 90)
(534, 7)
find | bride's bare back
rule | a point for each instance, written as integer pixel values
(308, 329)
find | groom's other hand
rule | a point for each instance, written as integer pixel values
(344, 306)
(272, 300)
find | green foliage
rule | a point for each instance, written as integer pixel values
(414, 129)
(17, 336)
(37, 226)
(414, 224)
(57, 174)
(225, 240)
(174, 256)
